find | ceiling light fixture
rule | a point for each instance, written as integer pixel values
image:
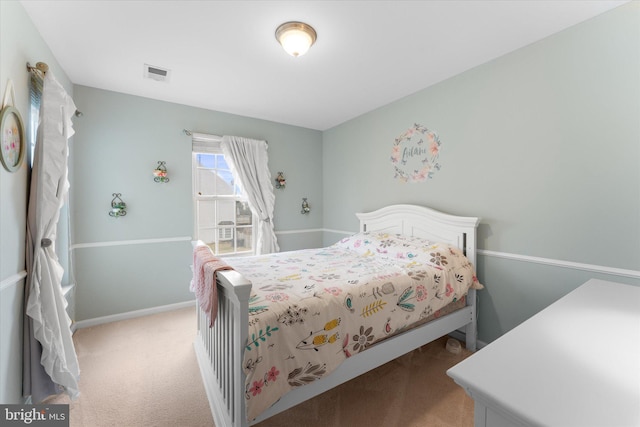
(296, 37)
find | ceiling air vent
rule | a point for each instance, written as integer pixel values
(156, 73)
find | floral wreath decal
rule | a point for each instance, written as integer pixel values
(415, 154)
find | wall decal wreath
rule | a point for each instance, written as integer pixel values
(415, 154)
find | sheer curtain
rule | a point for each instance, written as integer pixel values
(248, 160)
(50, 362)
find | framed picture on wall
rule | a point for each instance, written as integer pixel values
(13, 140)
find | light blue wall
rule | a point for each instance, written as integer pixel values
(119, 141)
(20, 43)
(543, 144)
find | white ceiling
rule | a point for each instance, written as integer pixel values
(223, 55)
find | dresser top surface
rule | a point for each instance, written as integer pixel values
(575, 363)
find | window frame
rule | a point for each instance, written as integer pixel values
(210, 145)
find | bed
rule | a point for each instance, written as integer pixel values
(233, 353)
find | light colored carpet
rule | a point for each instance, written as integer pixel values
(143, 372)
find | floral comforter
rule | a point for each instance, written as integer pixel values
(311, 309)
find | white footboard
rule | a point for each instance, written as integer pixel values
(219, 350)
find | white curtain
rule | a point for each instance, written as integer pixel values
(248, 160)
(50, 362)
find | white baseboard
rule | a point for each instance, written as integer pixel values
(130, 315)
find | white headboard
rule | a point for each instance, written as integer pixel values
(424, 222)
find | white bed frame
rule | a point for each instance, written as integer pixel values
(220, 349)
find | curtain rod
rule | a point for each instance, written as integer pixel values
(42, 68)
(201, 135)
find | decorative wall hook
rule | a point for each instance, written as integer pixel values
(305, 206)
(160, 173)
(118, 206)
(280, 181)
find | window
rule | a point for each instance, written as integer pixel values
(223, 219)
(35, 96)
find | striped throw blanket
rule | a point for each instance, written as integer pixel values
(205, 269)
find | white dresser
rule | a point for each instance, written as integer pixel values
(576, 363)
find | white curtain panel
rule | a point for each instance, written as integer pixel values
(47, 319)
(248, 161)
